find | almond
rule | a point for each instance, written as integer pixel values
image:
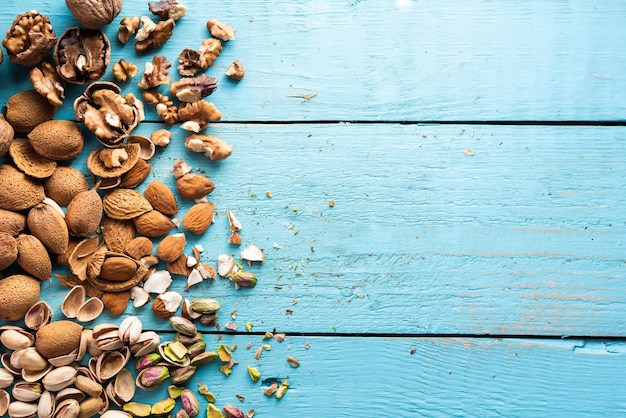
(139, 247)
(8, 250)
(117, 233)
(64, 184)
(125, 204)
(171, 247)
(48, 224)
(33, 257)
(84, 213)
(161, 198)
(179, 266)
(136, 175)
(194, 186)
(118, 269)
(11, 222)
(199, 217)
(153, 224)
(17, 190)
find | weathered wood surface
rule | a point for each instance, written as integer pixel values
(521, 238)
(401, 60)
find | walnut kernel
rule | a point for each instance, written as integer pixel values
(220, 30)
(156, 73)
(153, 38)
(209, 51)
(128, 28)
(123, 70)
(29, 39)
(235, 71)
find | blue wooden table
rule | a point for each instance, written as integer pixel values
(473, 262)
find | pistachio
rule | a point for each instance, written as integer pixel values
(19, 409)
(187, 340)
(209, 319)
(254, 373)
(151, 377)
(293, 362)
(174, 353)
(6, 378)
(204, 305)
(203, 358)
(163, 407)
(190, 403)
(149, 360)
(175, 391)
(231, 411)
(59, 378)
(183, 325)
(27, 391)
(138, 409)
(243, 279)
(213, 412)
(181, 375)
(196, 349)
(204, 390)
(282, 389)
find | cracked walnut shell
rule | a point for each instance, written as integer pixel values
(108, 114)
(29, 39)
(82, 55)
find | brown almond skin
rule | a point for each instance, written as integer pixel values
(33, 257)
(11, 222)
(17, 294)
(49, 227)
(8, 250)
(199, 217)
(139, 247)
(117, 302)
(17, 190)
(153, 224)
(84, 213)
(161, 198)
(171, 247)
(64, 184)
(58, 338)
(118, 269)
(194, 186)
(136, 175)
(57, 139)
(27, 109)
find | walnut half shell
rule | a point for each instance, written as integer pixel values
(82, 55)
(108, 114)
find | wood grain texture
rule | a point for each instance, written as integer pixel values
(523, 237)
(348, 377)
(404, 60)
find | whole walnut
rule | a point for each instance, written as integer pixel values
(94, 14)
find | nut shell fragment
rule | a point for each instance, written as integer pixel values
(26, 159)
(113, 162)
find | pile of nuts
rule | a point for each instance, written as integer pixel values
(106, 234)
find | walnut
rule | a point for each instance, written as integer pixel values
(94, 14)
(29, 39)
(123, 70)
(82, 55)
(47, 82)
(128, 28)
(212, 147)
(156, 73)
(197, 115)
(161, 137)
(110, 116)
(235, 71)
(220, 30)
(168, 9)
(209, 51)
(193, 89)
(189, 62)
(155, 38)
(164, 106)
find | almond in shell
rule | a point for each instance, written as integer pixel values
(84, 213)
(33, 257)
(8, 250)
(46, 222)
(125, 204)
(17, 190)
(64, 184)
(11, 222)
(199, 217)
(153, 224)
(117, 233)
(161, 198)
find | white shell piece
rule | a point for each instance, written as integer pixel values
(74, 299)
(130, 329)
(194, 278)
(252, 253)
(90, 310)
(158, 282)
(38, 315)
(191, 261)
(226, 265)
(172, 300)
(139, 296)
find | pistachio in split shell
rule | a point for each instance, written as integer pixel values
(151, 377)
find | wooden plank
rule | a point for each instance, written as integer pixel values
(347, 377)
(523, 237)
(407, 60)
